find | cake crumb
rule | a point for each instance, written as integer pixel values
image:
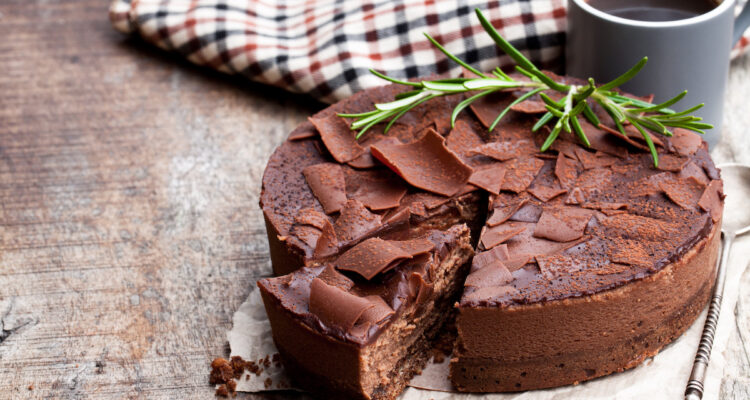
(31, 387)
(267, 383)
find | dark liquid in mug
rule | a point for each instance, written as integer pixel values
(654, 10)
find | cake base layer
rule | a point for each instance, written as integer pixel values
(564, 342)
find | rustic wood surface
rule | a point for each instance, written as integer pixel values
(129, 224)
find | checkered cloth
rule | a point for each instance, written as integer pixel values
(325, 48)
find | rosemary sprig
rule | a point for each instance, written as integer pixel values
(565, 113)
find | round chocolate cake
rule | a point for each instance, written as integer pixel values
(560, 266)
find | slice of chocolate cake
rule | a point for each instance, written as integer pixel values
(361, 325)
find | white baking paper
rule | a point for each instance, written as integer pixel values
(661, 377)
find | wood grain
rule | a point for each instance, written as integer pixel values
(129, 222)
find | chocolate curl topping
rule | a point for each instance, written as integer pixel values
(489, 179)
(711, 199)
(684, 192)
(520, 172)
(327, 183)
(545, 193)
(497, 254)
(419, 288)
(338, 138)
(494, 236)
(377, 189)
(371, 257)
(414, 247)
(331, 277)
(562, 224)
(378, 314)
(426, 164)
(686, 143)
(356, 222)
(495, 274)
(504, 151)
(336, 307)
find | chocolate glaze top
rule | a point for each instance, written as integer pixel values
(565, 223)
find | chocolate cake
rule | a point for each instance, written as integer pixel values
(588, 259)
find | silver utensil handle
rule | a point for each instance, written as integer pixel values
(694, 389)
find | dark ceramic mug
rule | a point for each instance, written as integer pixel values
(690, 54)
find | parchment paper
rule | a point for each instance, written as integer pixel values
(662, 377)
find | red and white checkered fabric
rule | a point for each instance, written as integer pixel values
(326, 47)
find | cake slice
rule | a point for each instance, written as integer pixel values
(361, 325)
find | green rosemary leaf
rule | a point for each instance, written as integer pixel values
(586, 93)
(402, 112)
(453, 57)
(394, 80)
(360, 115)
(406, 94)
(589, 114)
(663, 105)
(579, 131)
(444, 87)
(628, 75)
(374, 122)
(501, 74)
(401, 103)
(648, 140)
(552, 136)
(516, 101)
(548, 101)
(566, 123)
(557, 113)
(681, 113)
(460, 107)
(652, 125)
(489, 83)
(516, 55)
(545, 118)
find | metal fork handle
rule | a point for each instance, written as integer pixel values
(694, 389)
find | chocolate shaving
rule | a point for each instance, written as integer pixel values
(503, 213)
(631, 252)
(594, 160)
(337, 137)
(693, 171)
(414, 247)
(462, 139)
(305, 131)
(365, 160)
(685, 142)
(378, 314)
(426, 164)
(566, 171)
(336, 307)
(519, 173)
(494, 236)
(529, 212)
(371, 257)
(327, 243)
(495, 274)
(562, 224)
(356, 222)
(504, 151)
(566, 147)
(378, 189)
(327, 183)
(331, 277)
(668, 162)
(711, 199)
(683, 192)
(489, 179)
(545, 193)
(498, 253)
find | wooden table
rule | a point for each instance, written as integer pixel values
(129, 222)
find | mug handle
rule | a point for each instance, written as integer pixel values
(741, 23)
